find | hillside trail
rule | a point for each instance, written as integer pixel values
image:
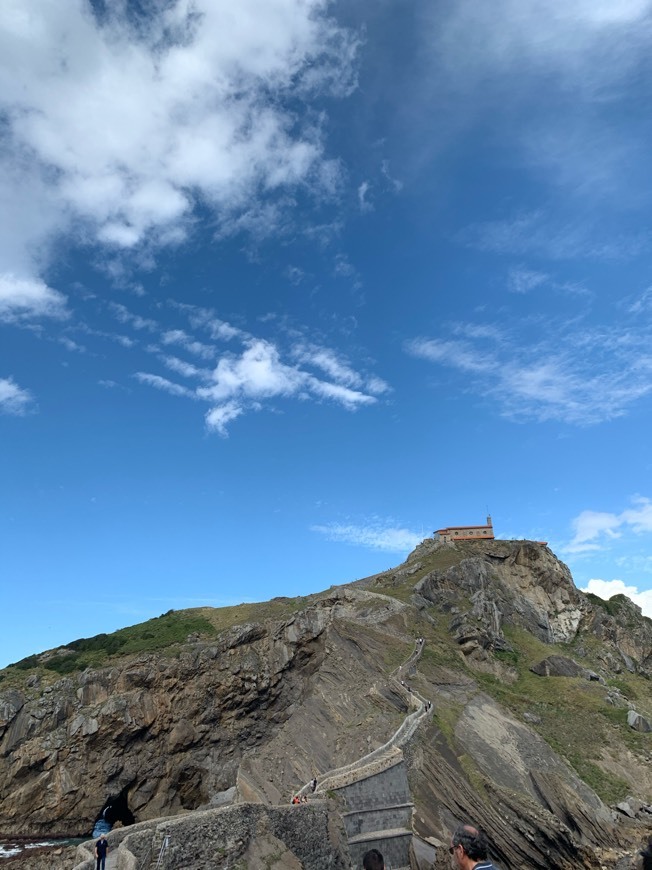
(402, 734)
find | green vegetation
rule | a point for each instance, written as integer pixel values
(473, 775)
(446, 717)
(625, 688)
(575, 720)
(163, 631)
(508, 657)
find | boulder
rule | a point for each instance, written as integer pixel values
(558, 666)
(638, 722)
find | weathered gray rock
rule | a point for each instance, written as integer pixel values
(558, 666)
(638, 722)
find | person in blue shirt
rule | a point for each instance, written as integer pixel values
(469, 849)
(101, 848)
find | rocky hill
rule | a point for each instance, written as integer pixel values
(541, 697)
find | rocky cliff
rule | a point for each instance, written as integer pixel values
(269, 696)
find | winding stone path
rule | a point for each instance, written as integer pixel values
(370, 787)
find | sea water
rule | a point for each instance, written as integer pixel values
(14, 847)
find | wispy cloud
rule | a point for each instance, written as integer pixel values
(181, 367)
(14, 399)
(363, 201)
(179, 337)
(641, 303)
(522, 280)
(565, 371)
(164, 384)
(548, 235)
(373, 536)
(71, 345)
(592, 529)
(587, 54)
(336, 367)
(124, 315)
(207, 320)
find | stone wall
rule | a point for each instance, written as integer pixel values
(379, 814)
(309, 836)
(394, 847)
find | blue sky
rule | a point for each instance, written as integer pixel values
(285, 286)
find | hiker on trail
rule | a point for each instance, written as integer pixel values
(313, 785)
(295, 799)
(101, 848)
(645, 859)
(373, 860)
(469, 849)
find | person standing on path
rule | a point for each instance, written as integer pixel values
(468, 849)
(101, 848)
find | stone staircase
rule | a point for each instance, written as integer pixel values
(375, 790)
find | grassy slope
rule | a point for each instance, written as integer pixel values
(165, 633)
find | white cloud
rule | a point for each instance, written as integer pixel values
(181, 367)
(605, 589)
(544, 234)
(244, 382)
(455, 353)
(592, 527)
(642, 303)
(375, 536)
(28, 297)
(363, 202)
(584, 54)
(122, 313)
(218, 418)
(206, 319)
(117, 124)
(549, 371)
(257, 373)
(71, 345)
(178, 336)
(590, 43)
(164, 384)
(523, 280)
(338, 368)
(14, 399)
(639, 517)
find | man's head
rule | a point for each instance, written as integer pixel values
(468, 846)
(373, 860)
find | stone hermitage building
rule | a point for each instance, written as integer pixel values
(466, 533)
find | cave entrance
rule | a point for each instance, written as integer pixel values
(115, 809)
